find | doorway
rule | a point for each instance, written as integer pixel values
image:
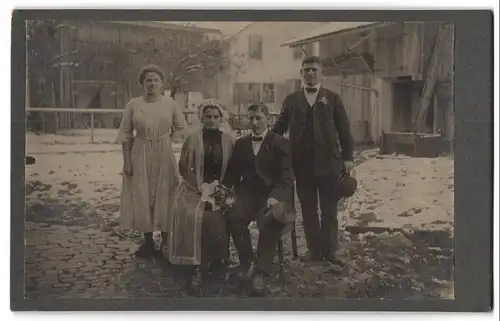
(402, 105)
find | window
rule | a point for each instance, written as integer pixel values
(253, 92)
(269, 95)
(255, 47)
(298, 53)
(245, 93)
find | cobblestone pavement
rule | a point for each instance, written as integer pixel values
(73, 262)
(78, 262)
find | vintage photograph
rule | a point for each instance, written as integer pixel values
(197, 159)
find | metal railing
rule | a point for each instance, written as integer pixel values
(50, 120)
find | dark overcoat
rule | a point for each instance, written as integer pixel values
(331, 126)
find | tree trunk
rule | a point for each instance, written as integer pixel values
(173, 91)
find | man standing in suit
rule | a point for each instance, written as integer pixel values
(261, 170)
(316, 121)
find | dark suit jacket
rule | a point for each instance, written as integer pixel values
(273, 165)
(331, 125)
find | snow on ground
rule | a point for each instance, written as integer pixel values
(75, 167)
(74, 182)
(76, 141)
(398, 191)
(87, 176)
(74, 136)
(393, 191)
(87, 183)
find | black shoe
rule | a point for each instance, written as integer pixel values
(242, 271)
(311, 257)
(331, 258)
(145, 251)
(258, 285)
(217, 268)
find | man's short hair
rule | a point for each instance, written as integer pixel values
(312, 60)
(259, 106)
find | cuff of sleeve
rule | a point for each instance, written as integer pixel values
(347, 157)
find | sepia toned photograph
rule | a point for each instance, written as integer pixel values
(211, 159)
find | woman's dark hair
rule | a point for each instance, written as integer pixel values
(150, 68)
(207, 107)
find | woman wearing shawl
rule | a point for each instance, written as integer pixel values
(198, 235)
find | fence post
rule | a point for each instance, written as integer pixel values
(92, 126)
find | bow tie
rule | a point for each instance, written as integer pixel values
(311, 89)
(256, 139)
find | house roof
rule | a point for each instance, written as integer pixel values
(227, 28)
(245, 27)
(169, 25)
(307, 25)
(327, 30)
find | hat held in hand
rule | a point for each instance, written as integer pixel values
(346, 185)
(283, 213)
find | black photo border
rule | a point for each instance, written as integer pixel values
(473, 163)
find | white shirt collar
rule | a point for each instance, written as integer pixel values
(318, 86)
(261, 135)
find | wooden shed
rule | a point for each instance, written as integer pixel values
(390, 75)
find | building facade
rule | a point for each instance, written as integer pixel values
(91, 64)
(262, 69)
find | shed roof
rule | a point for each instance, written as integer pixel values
(328, 30)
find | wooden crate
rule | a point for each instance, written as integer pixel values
(410, 144)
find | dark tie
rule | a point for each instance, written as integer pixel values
(311, 89)
(256, 139)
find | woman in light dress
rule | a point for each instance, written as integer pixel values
(150, 172)
(198, 238)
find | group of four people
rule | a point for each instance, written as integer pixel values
(160, 194)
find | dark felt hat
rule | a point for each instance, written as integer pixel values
(281, 212)
(346, 186)
(30, 160)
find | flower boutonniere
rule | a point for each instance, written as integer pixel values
(323, 100)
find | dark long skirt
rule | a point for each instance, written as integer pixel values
(214, 239)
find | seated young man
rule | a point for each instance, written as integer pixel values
(261, 170)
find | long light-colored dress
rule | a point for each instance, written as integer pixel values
(146, 198)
